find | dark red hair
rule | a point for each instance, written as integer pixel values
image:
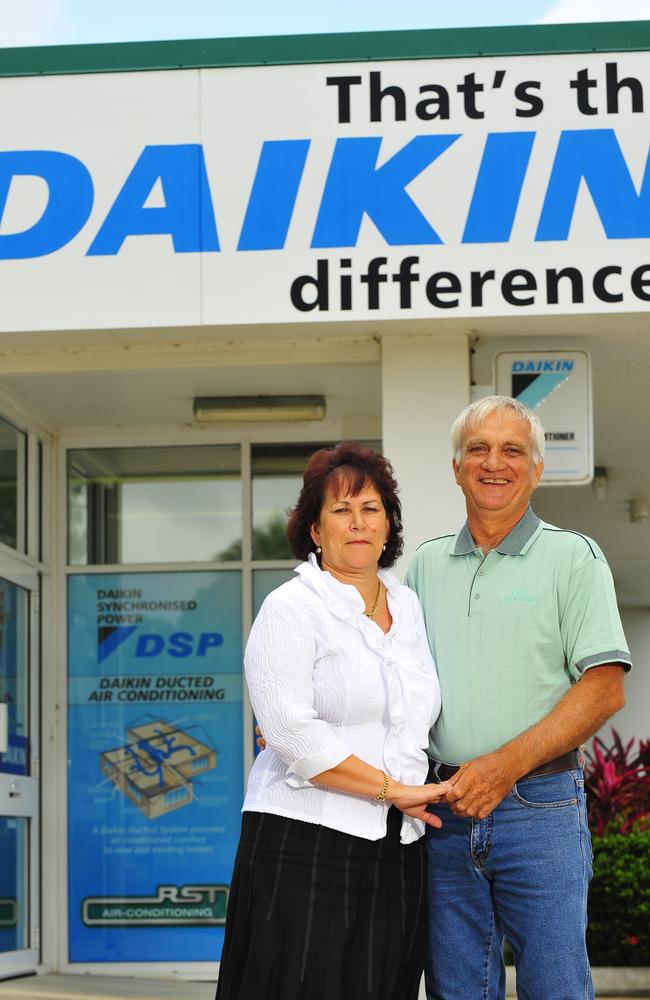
(348, 467)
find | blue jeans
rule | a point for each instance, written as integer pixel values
(521, 873)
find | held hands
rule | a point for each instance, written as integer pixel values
(410, 799)
(414, 799)
(480, 785)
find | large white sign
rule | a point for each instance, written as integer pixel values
(408, 189)
(557, 385)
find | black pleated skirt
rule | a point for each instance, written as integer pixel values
(315, 914)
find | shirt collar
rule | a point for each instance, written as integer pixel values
(513, 544)
(343, 599)
(464, 542)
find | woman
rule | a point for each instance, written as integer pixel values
(327, 893)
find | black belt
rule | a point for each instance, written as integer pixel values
(439, 771)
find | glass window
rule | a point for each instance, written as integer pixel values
(148, 505)
(13, 494)
(266, 580)
(14, 660)
(277, 477)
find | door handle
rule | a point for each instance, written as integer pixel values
(4, 727)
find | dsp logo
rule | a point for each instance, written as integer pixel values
(149, 645)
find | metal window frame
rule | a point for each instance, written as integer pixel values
(57, 894)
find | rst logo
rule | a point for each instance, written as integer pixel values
(355, 187)
(187, 905)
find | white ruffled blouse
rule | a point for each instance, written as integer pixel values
(325, 683)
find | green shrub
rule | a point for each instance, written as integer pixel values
(619, 900)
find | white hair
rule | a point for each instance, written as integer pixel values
(476, 413)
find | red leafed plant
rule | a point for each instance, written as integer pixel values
(617, 780)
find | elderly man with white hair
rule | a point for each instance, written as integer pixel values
(523, 625)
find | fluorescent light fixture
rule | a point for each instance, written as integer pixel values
(246, 409)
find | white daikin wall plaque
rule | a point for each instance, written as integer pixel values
(557, 386)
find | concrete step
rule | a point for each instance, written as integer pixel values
(87, 987)
(616, 984)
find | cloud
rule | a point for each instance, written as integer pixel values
(567, 11)
(29, 22)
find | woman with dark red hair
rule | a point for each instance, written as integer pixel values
(328, 893)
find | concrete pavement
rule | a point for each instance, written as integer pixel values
(616, 984)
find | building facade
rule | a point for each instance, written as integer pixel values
(216, 256)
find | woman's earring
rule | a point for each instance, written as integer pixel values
(318, 550)
(384, 548)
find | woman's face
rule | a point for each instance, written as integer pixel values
(351, 530)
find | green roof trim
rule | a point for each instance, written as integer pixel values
(445, 43)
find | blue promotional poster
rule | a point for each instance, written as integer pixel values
(155, 763)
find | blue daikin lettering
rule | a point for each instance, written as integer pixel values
(360, 184)
(70, 200)
(356, 186)
(561, 365)
(187, 215)
(594, 155)
(274, 194)
(498, 186)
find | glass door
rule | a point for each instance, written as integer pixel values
(19, 799)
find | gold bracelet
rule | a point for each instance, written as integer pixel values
(384, 788)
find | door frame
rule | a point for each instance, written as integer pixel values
(31, 569)
(20, 794)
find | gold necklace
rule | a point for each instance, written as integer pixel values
(373, 610)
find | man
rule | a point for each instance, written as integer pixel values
(524, 628)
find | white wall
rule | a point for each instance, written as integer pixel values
(425, 384)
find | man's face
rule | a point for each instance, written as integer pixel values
(496, 471)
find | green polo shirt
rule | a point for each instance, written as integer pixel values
(512, 630)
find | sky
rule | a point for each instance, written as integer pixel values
(67, 22)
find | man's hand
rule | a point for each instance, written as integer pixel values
(480, 785)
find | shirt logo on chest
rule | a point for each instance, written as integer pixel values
(520, 597)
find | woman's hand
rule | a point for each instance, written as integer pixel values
(414, 799)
